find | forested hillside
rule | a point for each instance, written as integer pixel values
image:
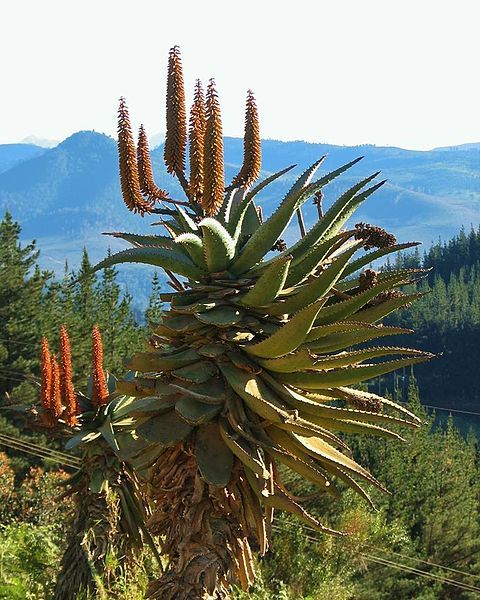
(447, 321)
(423, 542)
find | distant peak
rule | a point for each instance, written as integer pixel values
(84, 138)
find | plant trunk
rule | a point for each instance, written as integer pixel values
(203, 528)
(99, 549)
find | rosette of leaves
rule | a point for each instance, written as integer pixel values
(110, 506)
(257, 362)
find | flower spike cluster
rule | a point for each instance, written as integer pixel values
(57, 397)
(129, 177)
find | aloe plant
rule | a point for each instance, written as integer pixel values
(111, 509)
(255, 366)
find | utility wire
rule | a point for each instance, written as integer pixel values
(406, 568)
(61, 454)
(413, 558)
(39, 455)
(39, 451)
(420, 573)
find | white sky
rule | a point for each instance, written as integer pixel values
(388, 72)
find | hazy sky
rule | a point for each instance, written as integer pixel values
(387, 72)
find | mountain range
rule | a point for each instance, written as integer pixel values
(66, 196)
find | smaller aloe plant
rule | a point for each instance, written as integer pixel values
(110, 506)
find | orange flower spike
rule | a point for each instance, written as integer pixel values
(196, 134)
(176, 135)
(145, 173)
(252, 148)
(56, 407)
(99, 388)
(46, 366)
(129, 178)
(67, 393)
(213, 193)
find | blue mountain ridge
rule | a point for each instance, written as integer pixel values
(66, 196)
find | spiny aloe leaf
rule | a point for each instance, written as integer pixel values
(289, 455)
(346, 308)
(186, 298)
(243, 451)
(193, 245)
(304, 266)
(240, 360)
(165, 430)
(196, 307)
(157, 361)
(313, 409)
(290, 363)
(347, 426)
(320, 450)
(223, 316)
(84, 437)
(307, 428)
(187, 224)
(340, 327)
(255, 393)
(195, 412)
(214, 458)
(149, 404)
(369, 257)
(341, 377)
(144, 241)
(281, 500)
(317, 288)
(349, 394)
(374, 313)
(331, 343)
(288, 337)
(232, 199)
(108, 434)
(219, 247)
(130, 445)
(157, 257)
(212, 350)
(211, 392)
(235, 222)
(196, 373)
(146, 459)
(251, 222)
(337, 215)
(267, 234)
(269, 284)
(172, 226)
(179, 323)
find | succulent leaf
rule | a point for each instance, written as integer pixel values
(214, 458)
(157, 257)
(289, 336)
(219, 247)
(269, 284)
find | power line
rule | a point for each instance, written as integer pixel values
(403, 567)
(388, 563)
(35, 446)
(40, 452)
